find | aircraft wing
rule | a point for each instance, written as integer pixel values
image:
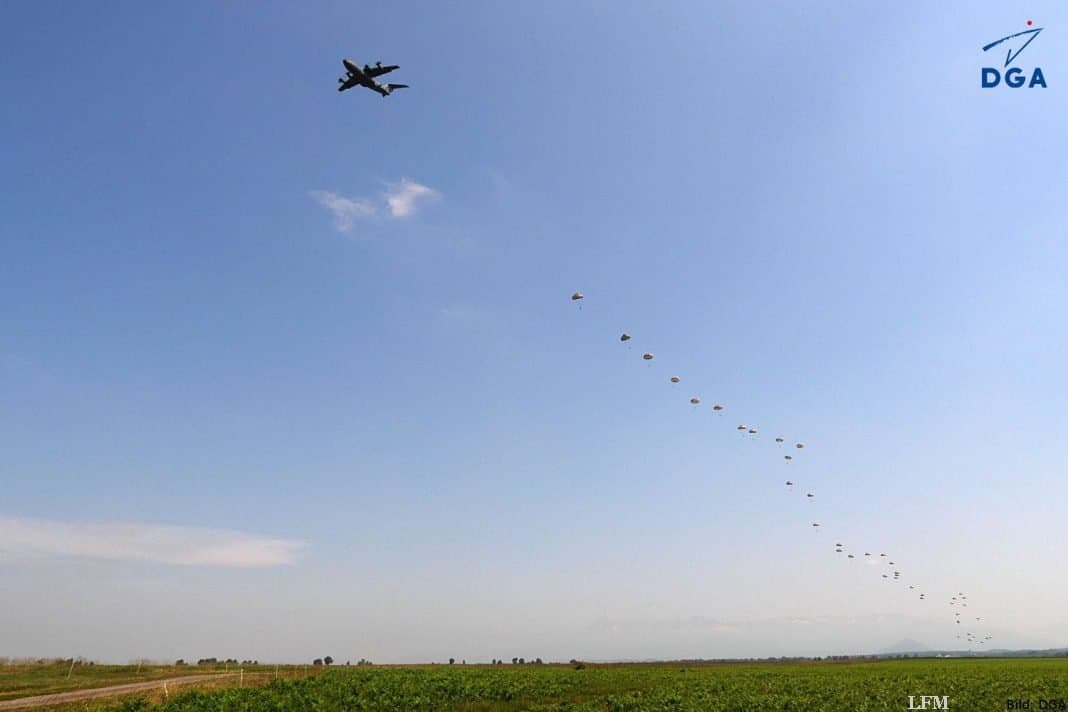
(379, 70)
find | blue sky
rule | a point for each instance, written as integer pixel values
(231, 428)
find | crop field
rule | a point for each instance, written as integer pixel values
(26, 680)
(31, 679)
(969, 684)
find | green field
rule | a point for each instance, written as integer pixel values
(970, 684)
(27, 680)
(46, 678)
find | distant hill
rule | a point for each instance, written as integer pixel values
(905, 646)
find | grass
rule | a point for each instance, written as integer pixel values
(31, 679)
(970, 684)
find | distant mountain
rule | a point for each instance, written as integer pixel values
(905, 646)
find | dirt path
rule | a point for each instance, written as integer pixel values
(77, 695)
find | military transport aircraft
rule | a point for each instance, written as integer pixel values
(366, 77)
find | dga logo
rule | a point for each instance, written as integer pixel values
(1014, 76)
(929, 702)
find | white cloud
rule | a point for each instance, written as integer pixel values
(345, 210)
(164, 544)
(454, 312)
(403, 196)
(401, 200)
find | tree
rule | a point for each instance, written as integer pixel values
(328, 660)
(515, 660)
(452, 660)
(317, 662)
(522, 661)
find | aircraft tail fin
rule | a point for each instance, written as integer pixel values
(391, 87)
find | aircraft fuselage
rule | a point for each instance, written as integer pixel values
(357, 76)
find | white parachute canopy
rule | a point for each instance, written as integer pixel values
(717, 406)
(577, 296)
(779, 440)
(647, 356)
(799, 445)
(625, 337)
(695, 400)
(675, 379)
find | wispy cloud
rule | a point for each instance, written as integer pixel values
(693, 624)
(454, 312)
(401, 200)
(164, 544)
(403, 197)
(345, 210)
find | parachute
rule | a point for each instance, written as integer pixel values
(959, 600)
